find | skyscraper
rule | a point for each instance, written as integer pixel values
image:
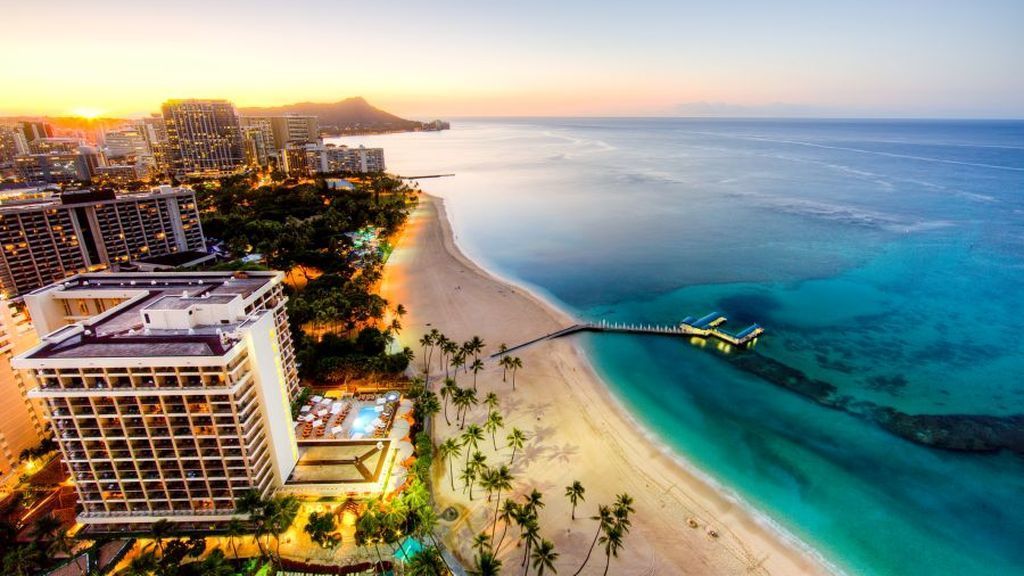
(203, 137)
(168, 393)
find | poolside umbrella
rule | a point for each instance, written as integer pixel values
(402, 427)
(403, 451)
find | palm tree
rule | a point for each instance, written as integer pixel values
(621, 510)
(487, 479)
(605, 519)
(234, 529)
(458, 360)
(468, 476)
(449, 348)
(320, 527)
(514, 365)
(44, 528)
(612, 541)
(502, 481)
(475, 346)
(448, 391)
(502, 348)
(476, 367)
(493, 422)
(481, 542)
(471, 438)
(160, 530)
(574, 492)
(283, 511)
(509, 511)
(492, 401)
(504, 363)
(427, 343)
(144, 564)
(427, 562)
(450, 450)
(427, 405)
(530, 533)
(64, 544)
(468, 400)
(534, 502)
(252, 503)
(486, 564)
(215, 564)
(544, 557)
(515, 439)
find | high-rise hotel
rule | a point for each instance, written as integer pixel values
(48, 238)
(169, 394)
(204, 138)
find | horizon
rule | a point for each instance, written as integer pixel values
(849, 60)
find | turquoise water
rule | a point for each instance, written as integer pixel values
(885, 258)
(363, 423)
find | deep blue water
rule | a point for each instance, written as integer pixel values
(884, 257)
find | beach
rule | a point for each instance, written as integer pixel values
(576, 431)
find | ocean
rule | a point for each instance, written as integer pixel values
(884, 258)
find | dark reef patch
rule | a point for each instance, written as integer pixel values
(959, 432)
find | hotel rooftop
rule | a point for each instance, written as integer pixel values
(171, 314)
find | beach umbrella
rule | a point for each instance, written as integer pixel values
(404, 450)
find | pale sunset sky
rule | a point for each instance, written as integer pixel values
(939, 58)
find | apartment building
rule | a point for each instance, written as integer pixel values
(294, 128)
(169, 393)
(43, 240)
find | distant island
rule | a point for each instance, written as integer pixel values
(349, 116)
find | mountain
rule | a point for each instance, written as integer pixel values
(348, 116)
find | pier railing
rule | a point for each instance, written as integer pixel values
(707, 327)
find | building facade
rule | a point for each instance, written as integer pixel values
(46, 240)
(308, 159)
(21, 419)
(204, 138)
(258, 137)
(291, 129)
(169, 393)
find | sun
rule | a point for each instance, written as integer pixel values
(87, 113)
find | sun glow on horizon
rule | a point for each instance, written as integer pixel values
(87, 112)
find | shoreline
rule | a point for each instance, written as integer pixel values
(616, 451)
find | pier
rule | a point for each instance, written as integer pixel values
(426, 176)
(707, 326)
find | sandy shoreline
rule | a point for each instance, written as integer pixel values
(577, 430)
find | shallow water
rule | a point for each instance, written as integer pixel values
(883, 257)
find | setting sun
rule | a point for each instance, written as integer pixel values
(87, 113)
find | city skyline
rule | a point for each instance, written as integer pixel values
(658, 59)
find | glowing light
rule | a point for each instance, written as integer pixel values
(87, 113)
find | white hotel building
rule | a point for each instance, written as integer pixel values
(169, 393)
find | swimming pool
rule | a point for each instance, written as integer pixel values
(363, 422)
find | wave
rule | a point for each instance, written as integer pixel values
(844, 214)
(863, 151)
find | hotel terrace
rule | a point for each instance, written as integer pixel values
(170, 396)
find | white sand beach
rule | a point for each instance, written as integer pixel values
(576, 431)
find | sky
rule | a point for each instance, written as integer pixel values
(912, 58)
